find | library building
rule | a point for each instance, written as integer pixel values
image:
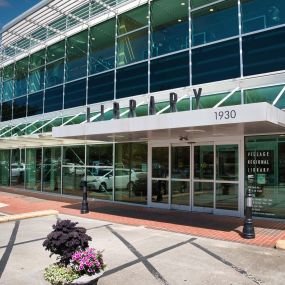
(175, 104)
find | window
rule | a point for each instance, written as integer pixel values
(75, 94)
(53, 99)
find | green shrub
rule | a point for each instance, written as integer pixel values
(57, 274)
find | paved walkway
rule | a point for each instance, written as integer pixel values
(197, 224)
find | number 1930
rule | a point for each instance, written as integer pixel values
(228, 114)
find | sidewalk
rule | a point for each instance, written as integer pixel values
(197, 224)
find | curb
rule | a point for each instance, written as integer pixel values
(280, 244)
(29, 215)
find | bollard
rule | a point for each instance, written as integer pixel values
(84, 206)
(248, 228)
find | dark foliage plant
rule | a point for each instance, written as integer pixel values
(65, 239)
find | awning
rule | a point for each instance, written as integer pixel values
(249, 119)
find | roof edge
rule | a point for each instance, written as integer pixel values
(24, 15)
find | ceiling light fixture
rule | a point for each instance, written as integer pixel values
(211, 9)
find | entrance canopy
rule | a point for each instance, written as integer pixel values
(261, 118)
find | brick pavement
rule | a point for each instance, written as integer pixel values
(198, 224)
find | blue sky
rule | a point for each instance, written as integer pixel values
(10, 9)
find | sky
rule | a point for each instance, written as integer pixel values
(10, 9)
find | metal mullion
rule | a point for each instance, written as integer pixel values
(208, 5)
(133, 31)
(116, 52)
(215, 173)
(190, 44)
(45, 76)
(61, 170)
(216, 42)
(87, 66)
(114, 168)
(64, 71)
(148, 46)
(42, 161)
(240, 38)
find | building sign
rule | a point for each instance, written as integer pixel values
(259, 165)
(260, 162)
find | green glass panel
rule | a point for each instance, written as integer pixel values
(8, 72)
(169, 30)
(82, 12)
(5, 167)
(77, 120)
(131, 172)
(55, 73)
(132, 47)
(52, 169)
(199, 3)
(76, 56)
(72, 180)
(209, 101)
(204, 162)
(18, 168)
(227, 196)
(18, 131)
(7, 90)
(227, 162)
(55, 51)
(203, 194)
(135, 19)
(40, 34)
(102, 47)
(32, 127)
(37, 59)
(142, 110)
(180, 192)
(21, 76)
(265, 94)
(33, 168)
(36, 80)
(59, 24)
(55, 123)
(183, 105)
(214, 23)
(74, 155)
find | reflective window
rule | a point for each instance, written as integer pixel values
(180, 192)
(262, 14)
(131, 172)
(160, 162)
(215, 22)
(102, 47)
(6, 111)
(227, 162)
(74, 155)
(19, 107)
(53, 99)
(72, 180)
(198, 3)
(204, 162)
(18, 168)
(133, 20)
(216, 62)
(5, 167)
(8, 87)
(132, 80)
(37, 59)
(52, 169)
(132, 47)
(265, 94)
(33, 168)
(101, 88)
(36, 80)
(55, 52)
(264, 52)
(180, 162)
(76, 56)
(203, 194)
(169, 72)
(169, 30)
(99, 171)
(209, 101)
(75, 94)
(227, 196)
(35, 104)
(264, 174)
(8, 72)
(21, 76)
(55, 73)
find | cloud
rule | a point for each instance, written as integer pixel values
(4, 3)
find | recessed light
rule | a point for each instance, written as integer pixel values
(72, 47)
(211, 9)
(182, 4)
(179, 20)
(93, 39)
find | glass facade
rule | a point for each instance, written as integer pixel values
(147, 49)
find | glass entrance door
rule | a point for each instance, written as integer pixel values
(197, 177)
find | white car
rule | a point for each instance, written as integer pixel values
(102, 179)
